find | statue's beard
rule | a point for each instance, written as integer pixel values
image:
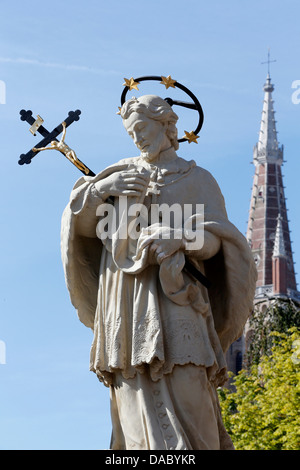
(154, 155)
(149, 156)
(152, 151)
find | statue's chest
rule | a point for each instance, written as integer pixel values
(172, 189)
(171, 200)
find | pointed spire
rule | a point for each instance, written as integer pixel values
(268, 135)
(279, 248)
(267, 148)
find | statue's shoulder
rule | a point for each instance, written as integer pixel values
(128, 161)
(198, 172)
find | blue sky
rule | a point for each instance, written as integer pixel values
(75, 55)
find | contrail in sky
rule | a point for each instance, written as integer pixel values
(36, 62)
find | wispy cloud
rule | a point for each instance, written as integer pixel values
(56, 65)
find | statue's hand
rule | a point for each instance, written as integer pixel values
(123, 183)
(160, 249)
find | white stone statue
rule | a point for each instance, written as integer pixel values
(160, 336)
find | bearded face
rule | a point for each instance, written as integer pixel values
(148, 135)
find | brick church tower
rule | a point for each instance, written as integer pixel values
(268, 227)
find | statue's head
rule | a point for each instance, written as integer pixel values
(151, 122)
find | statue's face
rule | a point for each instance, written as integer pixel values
(148, 135)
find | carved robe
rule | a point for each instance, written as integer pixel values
(154, 323)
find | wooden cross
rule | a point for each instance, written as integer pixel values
(36, 126)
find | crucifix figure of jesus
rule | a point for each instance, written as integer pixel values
(62, 147)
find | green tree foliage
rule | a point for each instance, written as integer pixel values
(279, 316)
(262, 412)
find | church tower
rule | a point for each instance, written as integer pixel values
(268, 231)
(268, 226)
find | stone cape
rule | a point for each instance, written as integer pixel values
(122, 344)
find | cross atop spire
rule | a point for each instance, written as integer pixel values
(269, 61)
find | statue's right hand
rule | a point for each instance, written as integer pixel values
(125, 182)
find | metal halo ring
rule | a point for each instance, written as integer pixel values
(195, 105)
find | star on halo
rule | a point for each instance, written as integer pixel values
(191, 137)
(131, 84)
(168, 82)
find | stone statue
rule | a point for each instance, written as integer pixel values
(160, 336)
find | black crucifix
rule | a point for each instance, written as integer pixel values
(51, 138)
